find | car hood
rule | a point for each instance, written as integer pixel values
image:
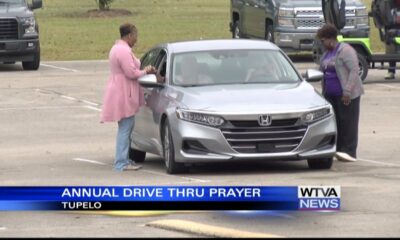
(251, 98)
(13, 11)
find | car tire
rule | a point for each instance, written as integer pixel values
(269, 33)
(169, 152)
(236, 33)
(33, 65)
(136, 155)
(317, 51)
(364, 66)
(324, 163)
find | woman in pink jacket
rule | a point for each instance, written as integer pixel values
(123, 95)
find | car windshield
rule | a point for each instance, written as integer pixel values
(232, 67)
(11, 2)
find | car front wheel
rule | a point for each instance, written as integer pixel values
(169, 152)
(33, 65)
(236, 30)
(324, 163)
(269, 33)
(363, 66)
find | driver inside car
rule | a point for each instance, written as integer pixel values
(262, 70)
(190, 73)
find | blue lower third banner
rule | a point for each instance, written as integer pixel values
(170, 198)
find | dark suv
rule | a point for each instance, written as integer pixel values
(290, 24)
(19, 33)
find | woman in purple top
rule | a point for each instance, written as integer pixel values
(342, 87)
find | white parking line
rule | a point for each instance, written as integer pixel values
(69, 98)
(61, 68)
(380, 163)
(93, 108)
(89, 161)
(2, 228)
(186, 178)
(388, 86)
(89, 103)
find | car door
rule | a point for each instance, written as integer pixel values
(154, 100)
(258, 18)
(246, 17)
(144, 129)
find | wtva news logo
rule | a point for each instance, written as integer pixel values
(319, 198)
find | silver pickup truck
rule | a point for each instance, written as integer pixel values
(290, 24)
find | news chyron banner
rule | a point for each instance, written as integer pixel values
(170, 198)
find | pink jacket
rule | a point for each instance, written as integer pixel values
(123, 95)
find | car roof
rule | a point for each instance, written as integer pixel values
(223, 44)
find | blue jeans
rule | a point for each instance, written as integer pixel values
(125, 127)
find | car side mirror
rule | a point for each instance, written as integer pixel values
(150, 81)
(36, 4)
(313, 75)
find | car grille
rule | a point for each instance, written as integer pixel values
(8, 29)
(314, 12)
(313, 19)
(317, 23)
(248, 137)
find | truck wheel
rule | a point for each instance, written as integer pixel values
(324, 163)
(269, 33)
(317, 51)
(34, 65)
(364, 66)
(169, 152)
(236, 31)
(136, 155)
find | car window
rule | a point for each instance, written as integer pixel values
(232, 67)
(12, 2)
(160, 58)
(149, 58)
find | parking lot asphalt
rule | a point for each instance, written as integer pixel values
(50, 135)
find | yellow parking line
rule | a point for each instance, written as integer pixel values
(126, 213)
(206, 230)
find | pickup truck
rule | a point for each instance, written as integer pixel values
(290, 24)
(19, 33)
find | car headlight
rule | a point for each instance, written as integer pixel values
(286, 22)
(286, 12)
(316, 115)
(29, 24)
(201, 118)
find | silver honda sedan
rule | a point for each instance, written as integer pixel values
(229, 100)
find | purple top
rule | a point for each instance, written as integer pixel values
(332, 84)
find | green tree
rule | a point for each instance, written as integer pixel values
(104, 5)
